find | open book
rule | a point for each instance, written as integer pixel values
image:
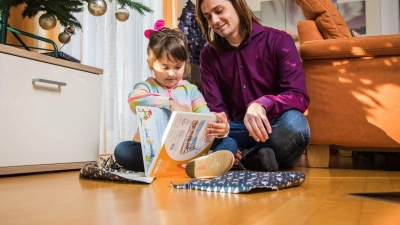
(170, 140)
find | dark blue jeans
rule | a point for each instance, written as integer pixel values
(128, 154)
(289, 138)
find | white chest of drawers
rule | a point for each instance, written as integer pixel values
(47, 126)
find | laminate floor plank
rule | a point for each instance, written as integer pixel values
(63, 198)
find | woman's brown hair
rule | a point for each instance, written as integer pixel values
(246, 18)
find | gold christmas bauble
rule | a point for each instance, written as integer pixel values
(64, 37)
(47, 21)
(97, 7)
(70, 29)
(122, 14)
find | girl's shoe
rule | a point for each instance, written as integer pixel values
(210, 166)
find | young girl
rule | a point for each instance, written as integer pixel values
(169, 61)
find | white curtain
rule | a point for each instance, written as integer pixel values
(119, 48)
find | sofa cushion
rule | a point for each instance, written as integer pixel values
(343, 49)
(308, 31)
(328, 19)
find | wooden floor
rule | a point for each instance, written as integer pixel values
(63, 198)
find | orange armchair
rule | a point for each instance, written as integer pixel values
(353, 83)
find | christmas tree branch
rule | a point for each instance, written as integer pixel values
(62, 9)
(139, 7)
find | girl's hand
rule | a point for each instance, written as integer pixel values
(175, 106)
(219, 128)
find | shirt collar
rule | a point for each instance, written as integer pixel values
(257, 28)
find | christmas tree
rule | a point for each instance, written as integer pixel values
(62, 10)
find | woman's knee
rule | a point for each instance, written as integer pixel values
(293, 124)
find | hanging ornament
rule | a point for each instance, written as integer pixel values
(70, 29)
(47, 21)
(64, 37)
(122, 14)
(97, 7)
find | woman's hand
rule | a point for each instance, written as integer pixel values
(219, 128)
(257, 123)
(175, 106)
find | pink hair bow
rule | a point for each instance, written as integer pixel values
(158, 25)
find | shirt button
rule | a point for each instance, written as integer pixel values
(241, 67)
(244, 86)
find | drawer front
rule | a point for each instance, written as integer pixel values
(44, 123)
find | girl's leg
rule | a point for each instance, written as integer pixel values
(239, 133)
(128, 154)
(226, 143)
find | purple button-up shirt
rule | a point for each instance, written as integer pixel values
(265, 68)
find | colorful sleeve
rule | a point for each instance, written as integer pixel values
(199, 104)
(141, 96)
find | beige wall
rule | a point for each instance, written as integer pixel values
(254, 4)
(382, 17)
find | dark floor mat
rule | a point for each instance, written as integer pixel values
(244, 181)
(383, 196)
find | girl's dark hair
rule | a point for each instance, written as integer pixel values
(246, 18)
(172, 44)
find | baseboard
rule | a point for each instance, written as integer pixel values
(42, 168)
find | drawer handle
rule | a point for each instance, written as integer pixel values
(49, 82)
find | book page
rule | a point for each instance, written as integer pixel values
(131, 175)
(184, 139)
(152, 122)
